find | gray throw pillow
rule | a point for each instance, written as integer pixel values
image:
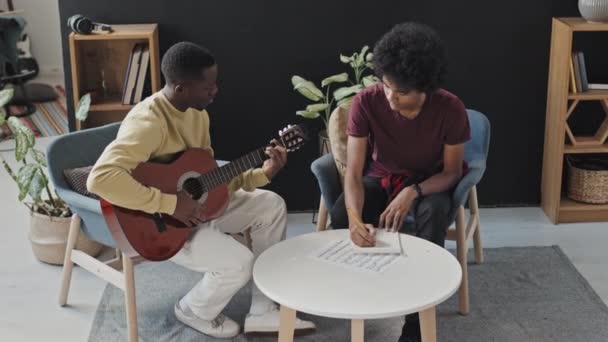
(77, 180)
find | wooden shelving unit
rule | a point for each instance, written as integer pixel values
(560, 105)
(104, 58)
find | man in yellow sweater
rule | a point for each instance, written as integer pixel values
(169, 122)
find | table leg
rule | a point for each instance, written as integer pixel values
(288, 321)
(428, 325)
(357, 330)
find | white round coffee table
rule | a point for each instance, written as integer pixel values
(292, 276)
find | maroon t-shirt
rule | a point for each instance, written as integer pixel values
(398, 145)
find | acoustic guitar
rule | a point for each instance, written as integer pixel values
(159, 236)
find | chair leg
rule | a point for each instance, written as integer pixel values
(478, 247)
(68, 264)
(477, 235)
(127, 267)
(323, 214)
(461, 251)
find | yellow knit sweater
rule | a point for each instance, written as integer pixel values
(154, 130)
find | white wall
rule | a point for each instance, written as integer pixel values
(43, 26)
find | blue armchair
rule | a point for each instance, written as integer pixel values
(326, 170)
(83, 148)
(79, 149)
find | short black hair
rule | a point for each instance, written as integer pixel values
(185, 61)
(411, 55)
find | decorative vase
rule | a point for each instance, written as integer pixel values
(594, 10)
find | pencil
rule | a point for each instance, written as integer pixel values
(355, 218)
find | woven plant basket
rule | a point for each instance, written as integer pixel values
(588, 180)
(49, 237)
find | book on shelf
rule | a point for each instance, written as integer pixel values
(583, 69)
(135, 76)
(131, 74)
(572, 77)
(141, 75)
(577, 72)
(579, 81)
(600, 86)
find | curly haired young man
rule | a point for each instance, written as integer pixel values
(405, 145)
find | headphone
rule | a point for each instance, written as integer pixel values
(83, 25)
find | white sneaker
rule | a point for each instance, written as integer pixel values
(270, 321)
(220, 327)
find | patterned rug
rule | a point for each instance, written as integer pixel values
(531, 294)
(50, 118)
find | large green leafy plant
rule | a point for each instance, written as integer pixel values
(31, 177)
(324, 104)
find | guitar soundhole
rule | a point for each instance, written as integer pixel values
(194, 188)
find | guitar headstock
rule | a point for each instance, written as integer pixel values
(292, 137)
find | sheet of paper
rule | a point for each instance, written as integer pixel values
(385, 243)
(343, 254)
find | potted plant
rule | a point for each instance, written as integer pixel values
(49, 216)
(324, 102)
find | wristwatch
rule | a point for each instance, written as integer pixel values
(418, 189)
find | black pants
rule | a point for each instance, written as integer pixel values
(431, 223)
(430, 212)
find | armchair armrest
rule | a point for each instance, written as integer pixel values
(76, 200)
(89, 210)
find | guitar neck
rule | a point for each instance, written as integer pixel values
(224, 174)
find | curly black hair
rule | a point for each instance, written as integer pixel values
(412, 55)
(185, 61)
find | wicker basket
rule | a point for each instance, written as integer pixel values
(49, 237)
(588, 180)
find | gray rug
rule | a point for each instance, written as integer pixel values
(519, 294)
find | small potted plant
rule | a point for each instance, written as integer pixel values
(49, 215)
(324, 102)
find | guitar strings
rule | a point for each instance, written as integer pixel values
(211, 179)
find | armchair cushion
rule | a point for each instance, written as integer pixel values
(77, 180)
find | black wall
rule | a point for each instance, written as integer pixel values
(498, 53)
